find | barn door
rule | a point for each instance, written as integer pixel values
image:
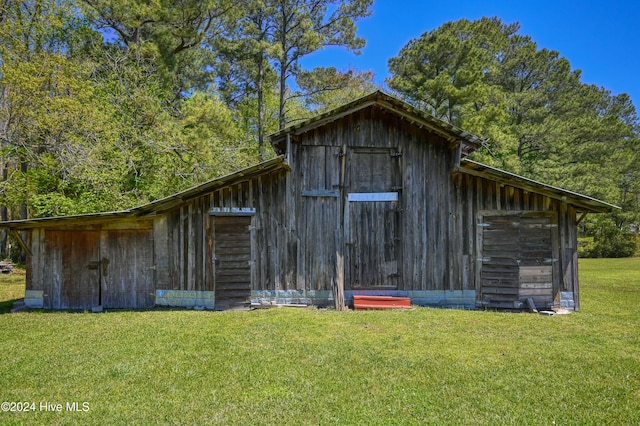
(93, 268)
(372, 219)
(517, 258)
(232, 261)
(72, 262)
(372, 242)
(126, 269)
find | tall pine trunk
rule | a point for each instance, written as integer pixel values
(4, 216)
(282, 119)
(24, 211)
(261, 125)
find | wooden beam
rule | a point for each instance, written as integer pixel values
(22, 243)
(581, 218)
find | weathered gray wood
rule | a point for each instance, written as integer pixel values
(517, 256)
(161, 252)
(532, 306)
(127, 278)
(232, 251)
(431, 237)
(35, 276)
(338, 282)
(73, 265)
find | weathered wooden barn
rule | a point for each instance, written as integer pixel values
(373, 198)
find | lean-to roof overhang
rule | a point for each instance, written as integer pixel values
(582, 203)
(154, 207)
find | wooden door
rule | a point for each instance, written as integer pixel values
(127, 269)
(517, 259)
(72, 264)
(372, 244)
(232, 261)
(372, 219)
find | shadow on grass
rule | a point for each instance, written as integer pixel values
(6, 306)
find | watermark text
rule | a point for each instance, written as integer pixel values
(40, 406)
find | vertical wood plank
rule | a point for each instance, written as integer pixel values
(190, 242)
(34, 280)
(161, 251)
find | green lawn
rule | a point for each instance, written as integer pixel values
(307, 366)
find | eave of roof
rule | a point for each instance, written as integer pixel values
(389, 103)
(154, 207)
(582, 202)
(174, 200)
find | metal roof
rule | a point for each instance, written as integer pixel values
(391, 104)
(378, 99)
(154, 207)
(582, 202)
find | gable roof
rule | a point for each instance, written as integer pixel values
(157, 206)
(390, 104)
(449, 132)
(454, 135)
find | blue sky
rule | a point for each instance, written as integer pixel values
(601, 38)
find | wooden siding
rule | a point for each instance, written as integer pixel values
(232, 260)
(324, 218)
(127, 269)
(185, 242)
(83, 269)
(372, 249)
(437, 208)
(71, 270)
(517, 256)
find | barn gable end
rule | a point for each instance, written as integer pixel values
(373, 198)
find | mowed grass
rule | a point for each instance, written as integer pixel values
(11, 289)
(308, 366)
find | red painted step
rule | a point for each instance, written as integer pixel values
(361, 302)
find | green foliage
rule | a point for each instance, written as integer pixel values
(106, 104)
(585, 247)
(303, 27)
(539, 119)
(608, 241)
(326, 88)
(170, 34)
(263, 48)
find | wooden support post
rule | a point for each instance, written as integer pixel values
(338, 282)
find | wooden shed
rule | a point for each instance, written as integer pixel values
(373, 198)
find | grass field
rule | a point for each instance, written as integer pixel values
(308, 366)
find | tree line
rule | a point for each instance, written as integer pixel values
(539, 119)
(108, 104)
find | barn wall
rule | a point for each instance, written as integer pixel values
(183, 247)
(325, 162)
(301, 220)
(184, 241)
(479, 195)
(438, 216)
